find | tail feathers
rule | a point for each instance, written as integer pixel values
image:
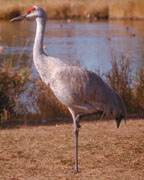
(118, 120)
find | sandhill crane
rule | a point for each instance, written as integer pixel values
(83, 92)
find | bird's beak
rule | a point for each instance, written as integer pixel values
(19, 17)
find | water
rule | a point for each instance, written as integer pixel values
(92, 44)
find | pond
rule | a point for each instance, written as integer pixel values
(92, 44)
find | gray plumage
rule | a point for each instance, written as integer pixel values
(82, 91)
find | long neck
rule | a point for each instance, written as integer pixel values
(38, 43)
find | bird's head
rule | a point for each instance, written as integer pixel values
(33, 12)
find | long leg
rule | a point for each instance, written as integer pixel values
(95, 113)
(76, 132)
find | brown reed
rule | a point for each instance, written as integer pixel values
(81, 9)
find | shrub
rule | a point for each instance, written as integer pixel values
(139, 88)
(41, 104)
(12, 85)
(120, 79)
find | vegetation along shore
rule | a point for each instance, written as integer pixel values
(77, 9)
(26, 100)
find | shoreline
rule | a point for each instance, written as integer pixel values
(77, 10)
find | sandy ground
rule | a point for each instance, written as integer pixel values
(47, 152)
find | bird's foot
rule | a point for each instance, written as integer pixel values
(76, 171)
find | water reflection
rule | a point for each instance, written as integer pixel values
(93, 44)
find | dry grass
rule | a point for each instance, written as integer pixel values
(12, 85)
(47, 152)
(41, 106)
(76, 8)
(130, 9)
(131, 89)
